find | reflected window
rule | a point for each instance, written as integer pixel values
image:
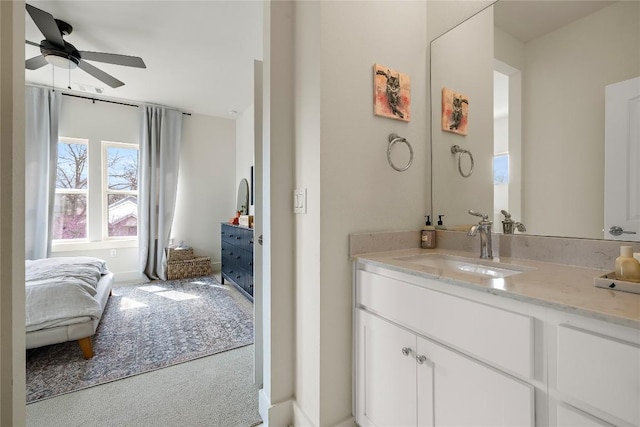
(501, 169)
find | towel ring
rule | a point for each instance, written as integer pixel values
(393, 139)
(455, 149)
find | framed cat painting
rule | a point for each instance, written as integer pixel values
(455, 112)
(391, 93)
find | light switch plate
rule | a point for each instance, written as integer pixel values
(300, 201)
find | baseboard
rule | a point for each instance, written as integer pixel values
(300, 419)
(216, 266)
(347, 422)
(125, 278)
(276, 415)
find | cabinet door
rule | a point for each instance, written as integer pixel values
(454, 390)
(386, 377)
(569, 416)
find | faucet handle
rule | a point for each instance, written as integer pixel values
(483, 216)
(506, 214)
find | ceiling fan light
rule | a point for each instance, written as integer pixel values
(61, 61)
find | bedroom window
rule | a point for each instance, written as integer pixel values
(121, 189)
(71, 196)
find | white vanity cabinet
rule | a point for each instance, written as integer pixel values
(404, 378)
(438, 352)
(596, 374)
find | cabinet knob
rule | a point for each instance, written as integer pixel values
(406, 351)
(421, 359)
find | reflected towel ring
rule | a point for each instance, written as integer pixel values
(393, 139)
(455, 149)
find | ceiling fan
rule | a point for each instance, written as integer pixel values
(56, 51)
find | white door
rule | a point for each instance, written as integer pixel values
(386, 383)
(258, 281)
(622, 161)
(467, 393)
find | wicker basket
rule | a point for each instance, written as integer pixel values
(179, 254)
(195, 267)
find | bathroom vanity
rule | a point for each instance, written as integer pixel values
(443, 338)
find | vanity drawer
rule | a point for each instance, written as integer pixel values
(600, 371)
(497, 336)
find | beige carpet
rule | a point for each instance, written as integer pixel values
(214, 391)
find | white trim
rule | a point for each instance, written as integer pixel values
(85, 245)
(128, 278)
(279, 414)
(300, 418)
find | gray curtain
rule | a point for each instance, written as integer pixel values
(160, 138)
(41, 155)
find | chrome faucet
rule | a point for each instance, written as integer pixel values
(508, 224)
(484, 227)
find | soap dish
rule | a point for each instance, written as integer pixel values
(609, 281)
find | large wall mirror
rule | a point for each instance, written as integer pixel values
(553, 117)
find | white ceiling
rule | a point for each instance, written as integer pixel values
(527, 20)
(199, 54)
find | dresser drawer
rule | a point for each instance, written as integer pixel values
(600, 371)
(492, 334)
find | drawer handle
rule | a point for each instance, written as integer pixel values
(238, 257)
(423, 359)
(238, 238)
(406, 351)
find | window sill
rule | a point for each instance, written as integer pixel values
(86, 245)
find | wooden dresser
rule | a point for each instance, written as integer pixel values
(237, 257)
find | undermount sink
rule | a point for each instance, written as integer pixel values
(476, 267)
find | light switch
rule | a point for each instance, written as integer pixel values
(300, 201)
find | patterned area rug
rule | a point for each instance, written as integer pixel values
(146, 327)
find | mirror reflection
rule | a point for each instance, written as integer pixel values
(553, 117)
(243, 197)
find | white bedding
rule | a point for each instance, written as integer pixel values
(60, 291)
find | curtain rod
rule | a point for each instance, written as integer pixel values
(107, 100)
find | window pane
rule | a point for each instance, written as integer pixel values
(72, 166)
(70, 216)
(123, 215)
(122, 164)
(501, 169)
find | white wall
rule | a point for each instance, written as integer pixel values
(206, 188)
(308, 235)
(341, 160)
(561, 77)
(244, 147)
(12, 354)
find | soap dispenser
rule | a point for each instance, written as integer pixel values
(627, 267)
(428, 240)
(440, 225)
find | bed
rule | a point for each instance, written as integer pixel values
(65, 298)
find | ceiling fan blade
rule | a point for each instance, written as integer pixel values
(99, 74)
(35, 62)
(32, 43)
(112, 58)
(46, 24)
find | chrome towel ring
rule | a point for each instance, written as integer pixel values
(455, 149)
(393, 139)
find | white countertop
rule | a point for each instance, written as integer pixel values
(558, 286)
